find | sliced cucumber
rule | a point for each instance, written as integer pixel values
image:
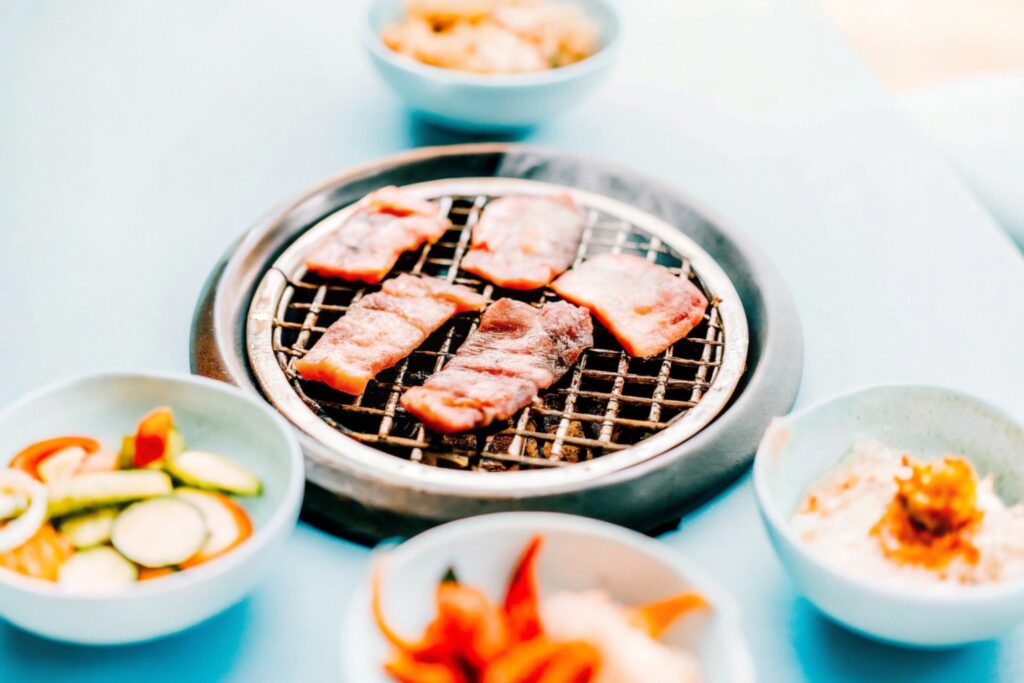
(175, 445)
(160, 532)
(100, 570)
(209, 471)
(99, 489)
(90, 528)
(228, 522)
(62, 464)
(126, 457)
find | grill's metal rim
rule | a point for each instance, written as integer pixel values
(277, 389)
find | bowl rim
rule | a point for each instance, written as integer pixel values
(883, 589)
(455, 534)
(595, 62)
(261, 537)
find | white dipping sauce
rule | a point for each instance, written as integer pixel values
(855, 495)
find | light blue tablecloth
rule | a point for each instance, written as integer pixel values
(138, 139)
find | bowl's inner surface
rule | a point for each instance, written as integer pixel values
(923, 421)
(107, 408)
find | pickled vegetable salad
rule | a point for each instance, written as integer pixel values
(95, 520)
(571, 637)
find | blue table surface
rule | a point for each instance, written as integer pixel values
(138, 139)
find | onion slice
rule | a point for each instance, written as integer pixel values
(20, 529)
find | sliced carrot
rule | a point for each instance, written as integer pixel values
(29, 458)
(524, 663)
(152, 435)
(522, 595)
(405, 669)
(655, 617)
(242, 522)
(576, 662)
(41, 556)
(390, 634)
(150, 573)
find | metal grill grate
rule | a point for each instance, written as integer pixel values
(607, 402)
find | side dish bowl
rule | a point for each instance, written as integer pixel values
(485, 102)
(216, 415)
(578, 554)
(928, 422)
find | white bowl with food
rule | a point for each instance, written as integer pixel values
(898, 511)
(491, 65)
(133, 506)
(541, 590)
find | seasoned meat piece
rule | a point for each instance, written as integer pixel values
(387, 223)
(524, 242)
(383, 328)
(643, 304)
(517, 351)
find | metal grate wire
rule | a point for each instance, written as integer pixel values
(607, 402)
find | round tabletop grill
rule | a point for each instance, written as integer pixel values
(609, 425)
(608, 403)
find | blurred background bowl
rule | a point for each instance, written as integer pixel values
(211, 415)
(500, 103)
(578, 554)
(928, 422)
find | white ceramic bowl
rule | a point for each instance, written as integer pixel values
(928, 422)
(212, 415)
(578, 554)
(489, 103)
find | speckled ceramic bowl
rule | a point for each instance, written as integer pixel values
(928, 422)
(489, 102)
(578, 554)
(217, 416)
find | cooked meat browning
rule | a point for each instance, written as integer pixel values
(643, 304)
(517, 351)
(525, 242)
(387, 223)
(383, 328)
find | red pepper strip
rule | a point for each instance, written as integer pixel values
(151, 436)
(471, 628)
(655, 617)
(405, 669)
(467, 632)
(521, 598)
(577, 662)
(28, 459)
